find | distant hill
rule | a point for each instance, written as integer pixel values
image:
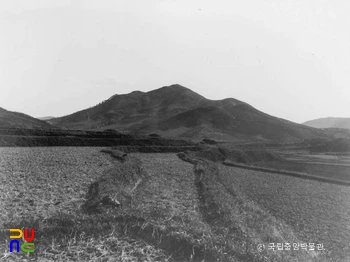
(329, 122)
(45, 118)
(176, 111)
(10, 119)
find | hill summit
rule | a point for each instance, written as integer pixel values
(176, 111)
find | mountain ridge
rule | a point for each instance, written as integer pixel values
(177, 111)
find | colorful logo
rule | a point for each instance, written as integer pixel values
(27, 240)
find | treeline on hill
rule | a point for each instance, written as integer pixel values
(58, 137)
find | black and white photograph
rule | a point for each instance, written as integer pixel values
(175, 131)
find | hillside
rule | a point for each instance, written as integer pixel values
(46, 118)
(329, 122)
(176, 111)
(10, 119)
(129, 111)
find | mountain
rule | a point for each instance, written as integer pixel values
(46, 118)
(10, 119)
(176, 111)
(329, 122)
(133, 110)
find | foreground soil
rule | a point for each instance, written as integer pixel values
(37, 181)
(183, 208)
(318, 212)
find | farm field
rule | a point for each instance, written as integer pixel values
(38, 181)
(328, 165)
(177, 208)
(331, 171)
(326, 158)
(318, 212)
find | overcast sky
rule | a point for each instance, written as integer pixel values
(290, 59)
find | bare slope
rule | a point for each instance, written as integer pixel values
(329, 122)
(177, 111)
(10, 119)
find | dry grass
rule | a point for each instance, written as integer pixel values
(179, 211)
(63, 231)
(80, 246)
(239, 224)
(316, 212)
